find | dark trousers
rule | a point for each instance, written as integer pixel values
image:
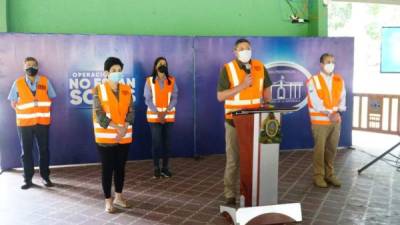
(113, 160)
(160, 134)
(27, 136)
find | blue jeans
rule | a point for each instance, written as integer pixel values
(160, 134)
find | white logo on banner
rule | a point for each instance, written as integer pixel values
(287, 91)
(288, 79)
(81, 83)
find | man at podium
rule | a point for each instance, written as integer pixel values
(326, 102)
(243, 84)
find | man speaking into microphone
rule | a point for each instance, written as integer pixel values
(243, 84)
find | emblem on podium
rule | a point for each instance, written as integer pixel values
(270, 130)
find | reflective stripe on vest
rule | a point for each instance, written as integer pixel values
(33, 104)
(161, 100)
(243, 102)
(120, 108)
(109, 134)
(251, 96)
(330, 100)
(32, 110)
(33, 115)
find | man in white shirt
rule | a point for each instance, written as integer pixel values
(326, 102)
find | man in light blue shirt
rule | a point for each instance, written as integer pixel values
(30, 97)
(13, 95)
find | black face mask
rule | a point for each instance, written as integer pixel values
(31, 71)
(162, 69)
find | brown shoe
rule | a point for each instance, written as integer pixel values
(319, 182)
(334, 181)
(121, 203)
(109, 208)
(230, 201)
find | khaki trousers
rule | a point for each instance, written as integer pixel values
(326, 140)
(232, 168)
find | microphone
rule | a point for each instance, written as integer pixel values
(248, 70)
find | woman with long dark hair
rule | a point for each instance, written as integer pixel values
(161, 93)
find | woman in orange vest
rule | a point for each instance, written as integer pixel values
(161, 93)
(113, 116)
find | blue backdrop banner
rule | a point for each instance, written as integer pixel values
(290, 61)
(74, 64)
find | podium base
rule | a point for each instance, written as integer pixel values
(263, 215)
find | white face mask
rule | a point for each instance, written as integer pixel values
(115, 76)
(329, 68)
(244, 56)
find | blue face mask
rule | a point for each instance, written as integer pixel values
(115, 77)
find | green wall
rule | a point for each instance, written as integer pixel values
(160, 17)
(318, 19)
(3, 16)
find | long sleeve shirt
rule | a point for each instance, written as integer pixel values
(317, 103)
(101, 116)
(148, 95)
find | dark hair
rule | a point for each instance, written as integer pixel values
(111, 61)
(325, 55)
(154, 73)
(241, 40)
(29, 58)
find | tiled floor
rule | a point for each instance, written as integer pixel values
(194, 194)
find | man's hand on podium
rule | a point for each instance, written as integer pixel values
(267, 105)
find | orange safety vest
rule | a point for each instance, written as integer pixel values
(116, 110)
(33, 110)
(161, 100)
(330, 101)
(250, 97)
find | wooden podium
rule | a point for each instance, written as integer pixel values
(258, 132)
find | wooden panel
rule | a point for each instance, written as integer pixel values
(245, 128)
(375, 113)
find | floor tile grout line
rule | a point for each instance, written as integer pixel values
(206, 204)
(291, 186)
(326, 196)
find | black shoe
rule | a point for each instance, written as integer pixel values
(166, 173)
(26, 186)
(47, 182)
(230, 201)
(157, 173)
